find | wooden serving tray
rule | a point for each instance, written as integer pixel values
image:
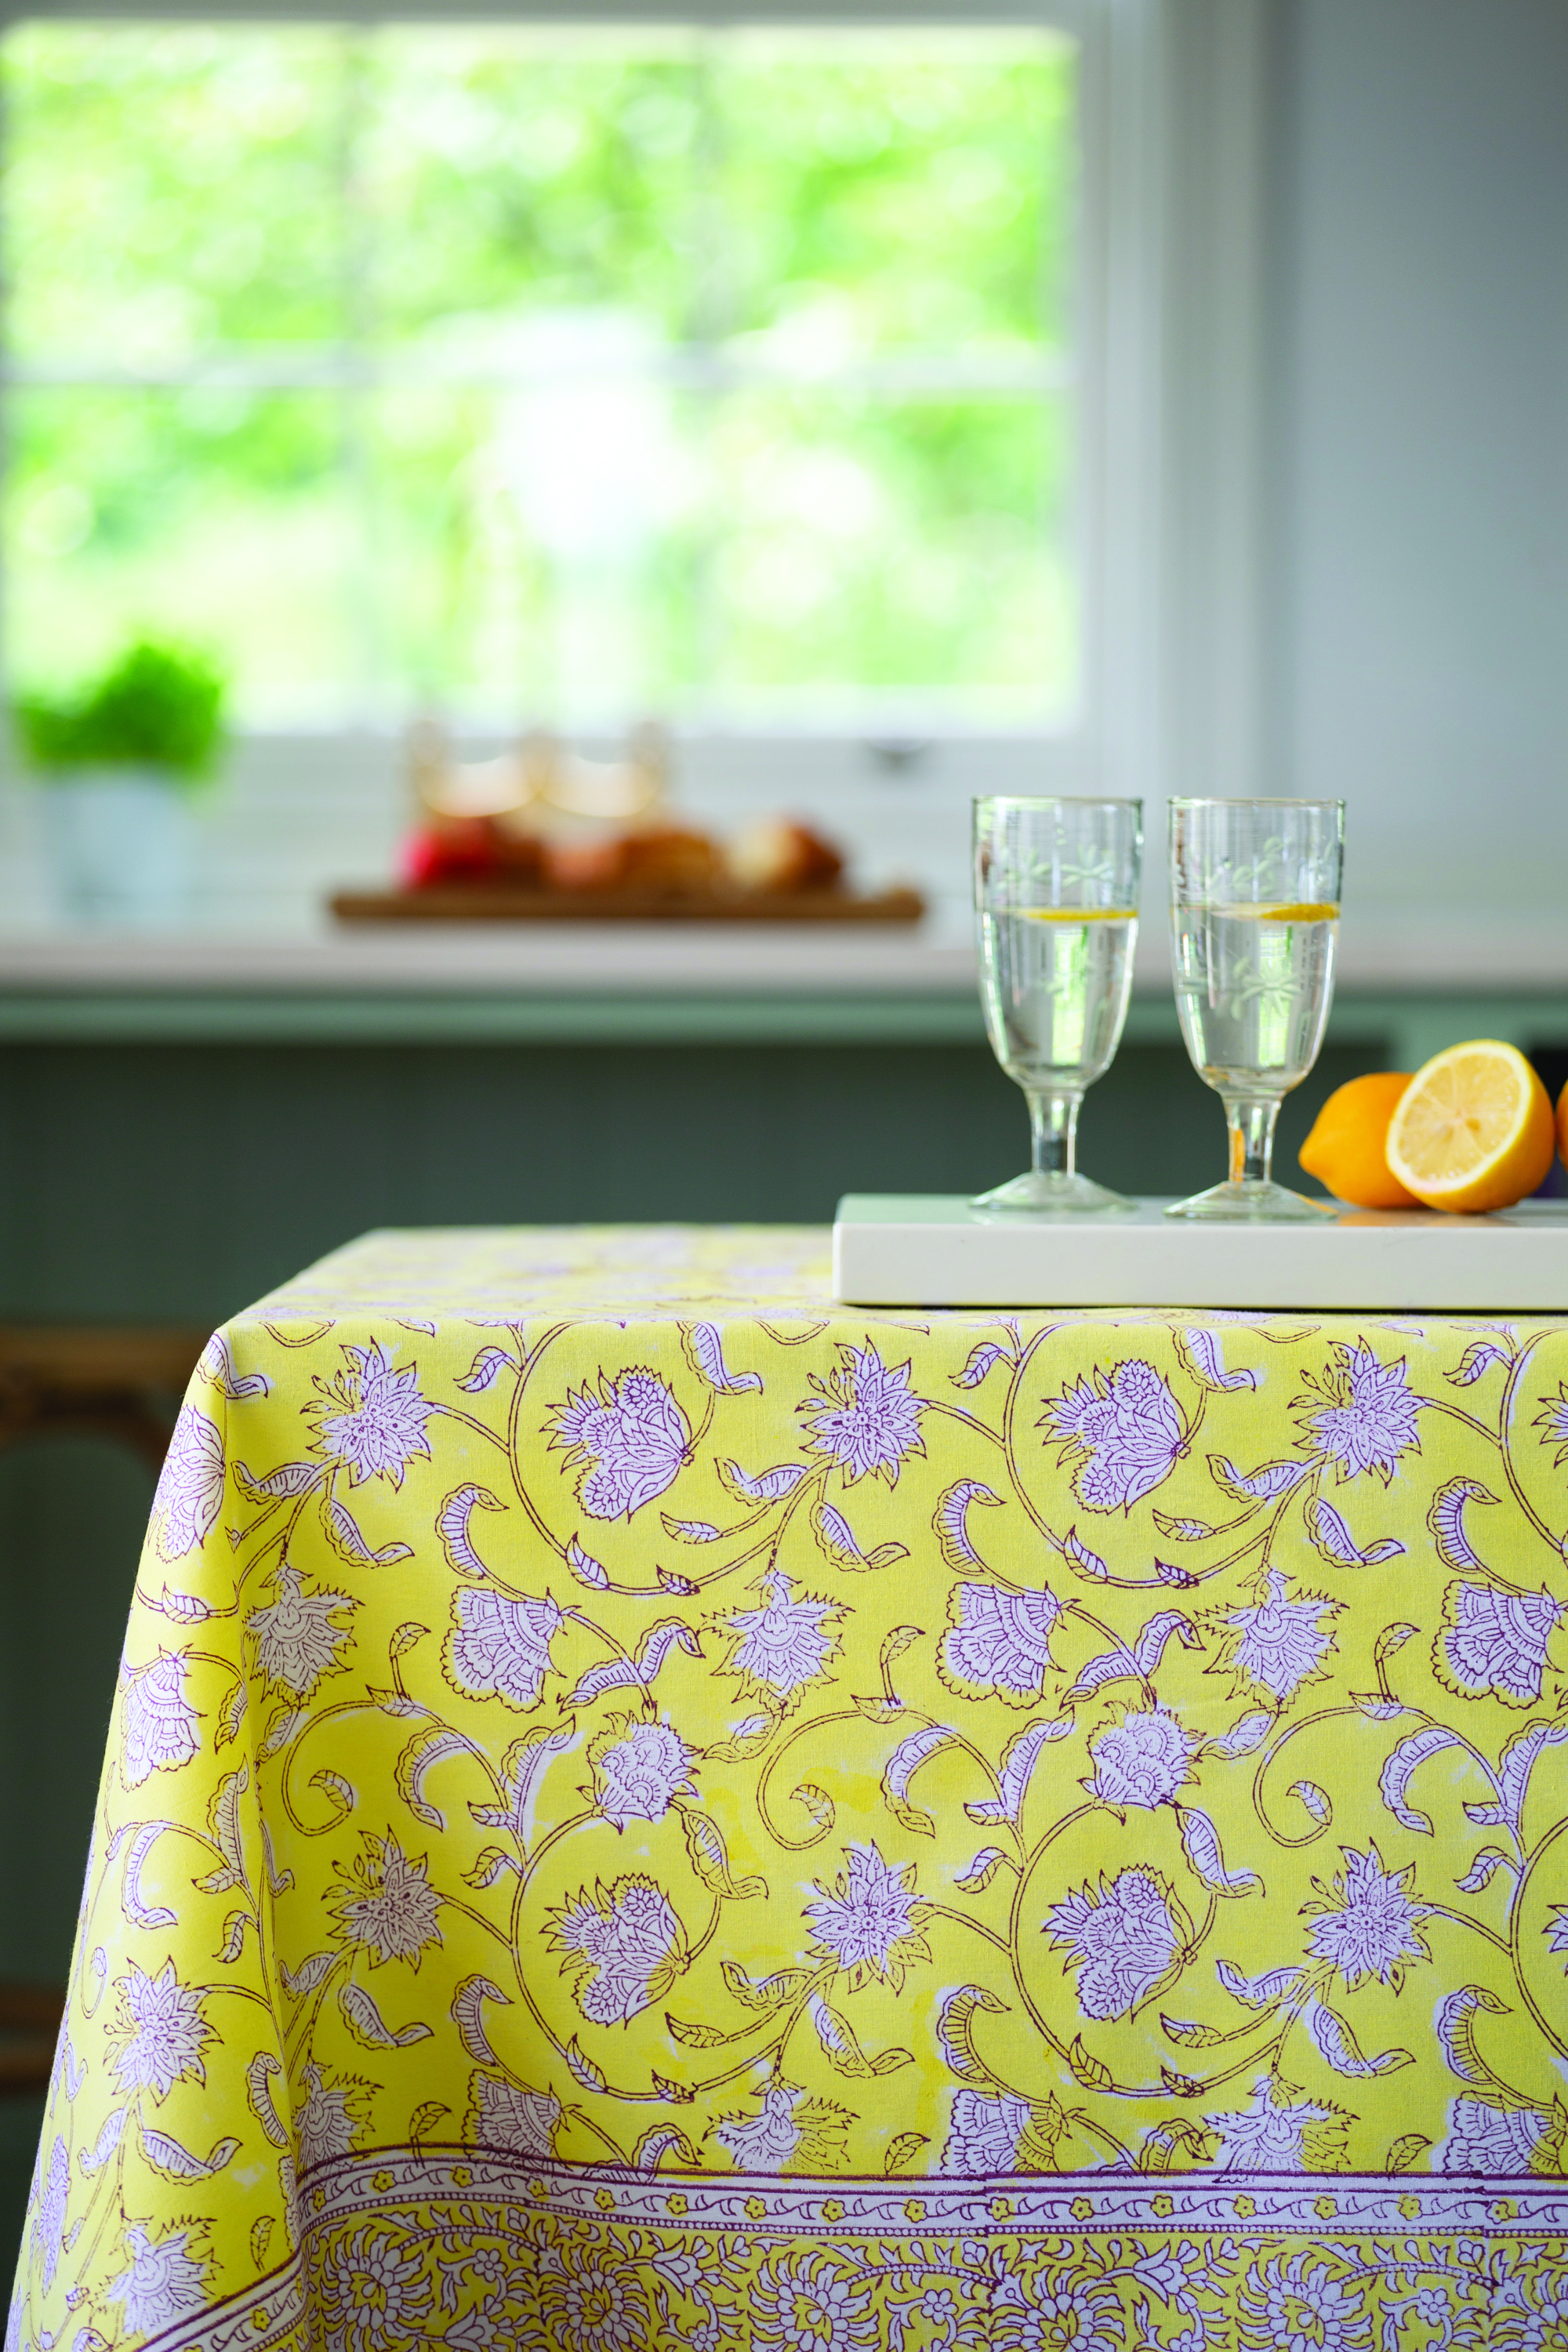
(481, 903)
(932, 1250)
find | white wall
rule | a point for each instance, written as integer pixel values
(1419, 334)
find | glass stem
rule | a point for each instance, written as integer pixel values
(1251, 1125)
(1053, 1133)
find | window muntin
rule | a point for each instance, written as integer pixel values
(538, 371)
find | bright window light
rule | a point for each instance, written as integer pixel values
(567, 373)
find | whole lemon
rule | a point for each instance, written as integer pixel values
(1562, 1125)
(1345, 1147)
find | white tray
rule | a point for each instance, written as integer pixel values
(928, 1249)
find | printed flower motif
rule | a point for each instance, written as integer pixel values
(1366, 1925)
(1495, 1642)
(297, 1643)
(1123, 1435)
(789, 2126)
(1361, 1415)
(1279, 1644)
(1493, 2139)
(1556, 1931)
(986, 2135)
(1279, 2134)
(863, 1416)
(49, 2220)
(373, 2296)
(641, 1767)
(1142, 1761)
(1123, 1940)
(811, 2303)
(633, 1434)
(869, 1920)
(334, 2108)
(386, 1905)
(1057, 2309)
(592, 2301)
(999, 1639)
(504, 2114)
(1555, 1421)
(1299, 2305)
(371, 1418)
(160, 2021)
(159, 1725)
(785, 1645)
(162, 2281)
(189, 1493)
(628, 1944)
(501, 1646)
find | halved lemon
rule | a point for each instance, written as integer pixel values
(1474, 1128)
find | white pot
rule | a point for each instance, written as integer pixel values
(122, 845)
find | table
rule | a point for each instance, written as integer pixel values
(645, 1808)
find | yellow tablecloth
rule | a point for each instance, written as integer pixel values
(647, 1810)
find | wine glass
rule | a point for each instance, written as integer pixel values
(1255, 905)
(1056, 902)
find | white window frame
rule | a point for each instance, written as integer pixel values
(1169, 388)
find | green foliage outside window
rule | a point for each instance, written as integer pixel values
(546, 369)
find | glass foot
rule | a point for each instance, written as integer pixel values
(1044, 1194)
(1252, 1203)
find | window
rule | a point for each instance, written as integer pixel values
(542, 372)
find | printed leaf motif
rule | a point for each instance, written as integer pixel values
(1087, 2069)
(1402, 2156)
(982, 1869)
(982, 1360)
(748, 1737)
(1081, 1560)
(1200, 1841)
(1517, 1762)
(284, 1484)
(1477, 1359)
(145, 1915)
(1483, 1869)
(1190, 2035)
(1315, 1801)
(710, 1858)
(424, 2118)
(955, 2031)
(234, 1928)
(178, 2162)
(661, 2142)
(452, 1526)
(1335, 1540)
(581, 2068)
(693, 2035)
(626, 1673)
(587, 1571)
(1455, 2031)
(183, 1607)
(1262, 1485)
(900, 2149)
(1150, 1647)
(369, 2026)
(93, 2159)
(691, 1532)
(770, 1486)
(773, 1992)
(1019, 1761)
(430, 1746)
(1339, 2045)
(1446, 1520)
(833, 1533)
(951, 1522)
(706, 1351)
(1257, 1993)
(1394, 1779)
(486, 1368)
(842, 2050)
(343, 1534)
(1184, 1530)
(1244, 1738)
(467, 2016)
(902, 1764)
(1201, 1348)
(218, 1365)
(297, 1982)
(258, 2087)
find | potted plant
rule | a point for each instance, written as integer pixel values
(123, 759)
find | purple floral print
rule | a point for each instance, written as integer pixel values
(1556, 1930)
(812, 2303)
(1123, 1435)
(1496, 1642)
(1482, 2138)
(1277, 2133)
(163, 2281)
(371, 1418)
(1142, 1761)
(985, 2134)
(791, 2127)
(298, 1642)
(504, 2114)
(999, 1639)
(1361, 1415)
(1278, 1644)
(503, 1646)
(627, 1441)
(49, 2222)
(863, 1416)
(329, 2117)
(385, 1906)
(159, 1731)
(1555, 1423)
(785, 1645)
(1123, 1940)
(1300, 2307)
(1366, 1924)
(161, 2025)
(627, 1944)
(642, 1768)
(869, 1919)
(189, 1493)
(374, 2294)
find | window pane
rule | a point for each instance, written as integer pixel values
(169, 189)
(218, 516)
